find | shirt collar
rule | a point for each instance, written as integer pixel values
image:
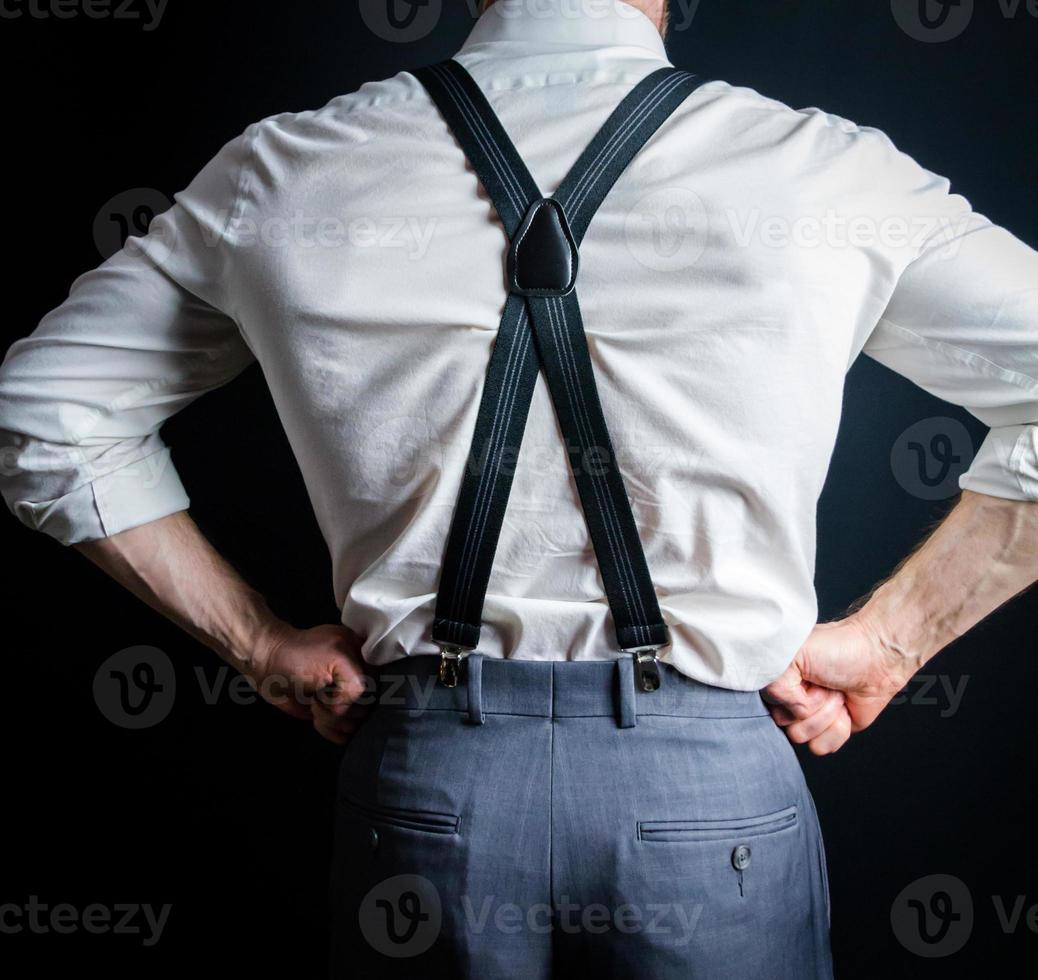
(573, 23)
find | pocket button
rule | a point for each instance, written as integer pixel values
(741, 858)
(373, 838)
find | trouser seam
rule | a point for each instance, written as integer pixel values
(551, 814)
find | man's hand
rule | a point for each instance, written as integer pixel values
(315, 674)
(840, 680)
(312, 674)
(982, 554)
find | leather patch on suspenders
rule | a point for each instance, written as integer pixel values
(543, 258)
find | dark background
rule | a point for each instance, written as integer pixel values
(224, 809)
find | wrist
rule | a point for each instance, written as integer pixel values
(254, 638)
(901, 646)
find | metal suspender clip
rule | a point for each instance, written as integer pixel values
(451, 656)
(646, 667)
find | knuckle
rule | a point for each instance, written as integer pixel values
(354, 688)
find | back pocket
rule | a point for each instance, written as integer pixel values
(662, 831)
(426, 821)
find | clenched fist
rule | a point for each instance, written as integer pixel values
(313, 674)
(841, 679)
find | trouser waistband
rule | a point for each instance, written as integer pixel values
(554, 689)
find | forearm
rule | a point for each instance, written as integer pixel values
(171, 566)
(982, 554)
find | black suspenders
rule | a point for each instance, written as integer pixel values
(542, 328)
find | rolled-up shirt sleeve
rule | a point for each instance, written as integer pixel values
(82, 399)
(962, 323)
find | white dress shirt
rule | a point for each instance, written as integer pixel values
(735, 272)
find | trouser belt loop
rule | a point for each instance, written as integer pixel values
(474, 682)
(627, 711)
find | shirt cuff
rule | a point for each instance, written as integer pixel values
(143, 491)
(1006, 465)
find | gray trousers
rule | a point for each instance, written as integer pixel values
(547, 819)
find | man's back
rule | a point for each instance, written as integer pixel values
(729, 280)
(713, 344)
